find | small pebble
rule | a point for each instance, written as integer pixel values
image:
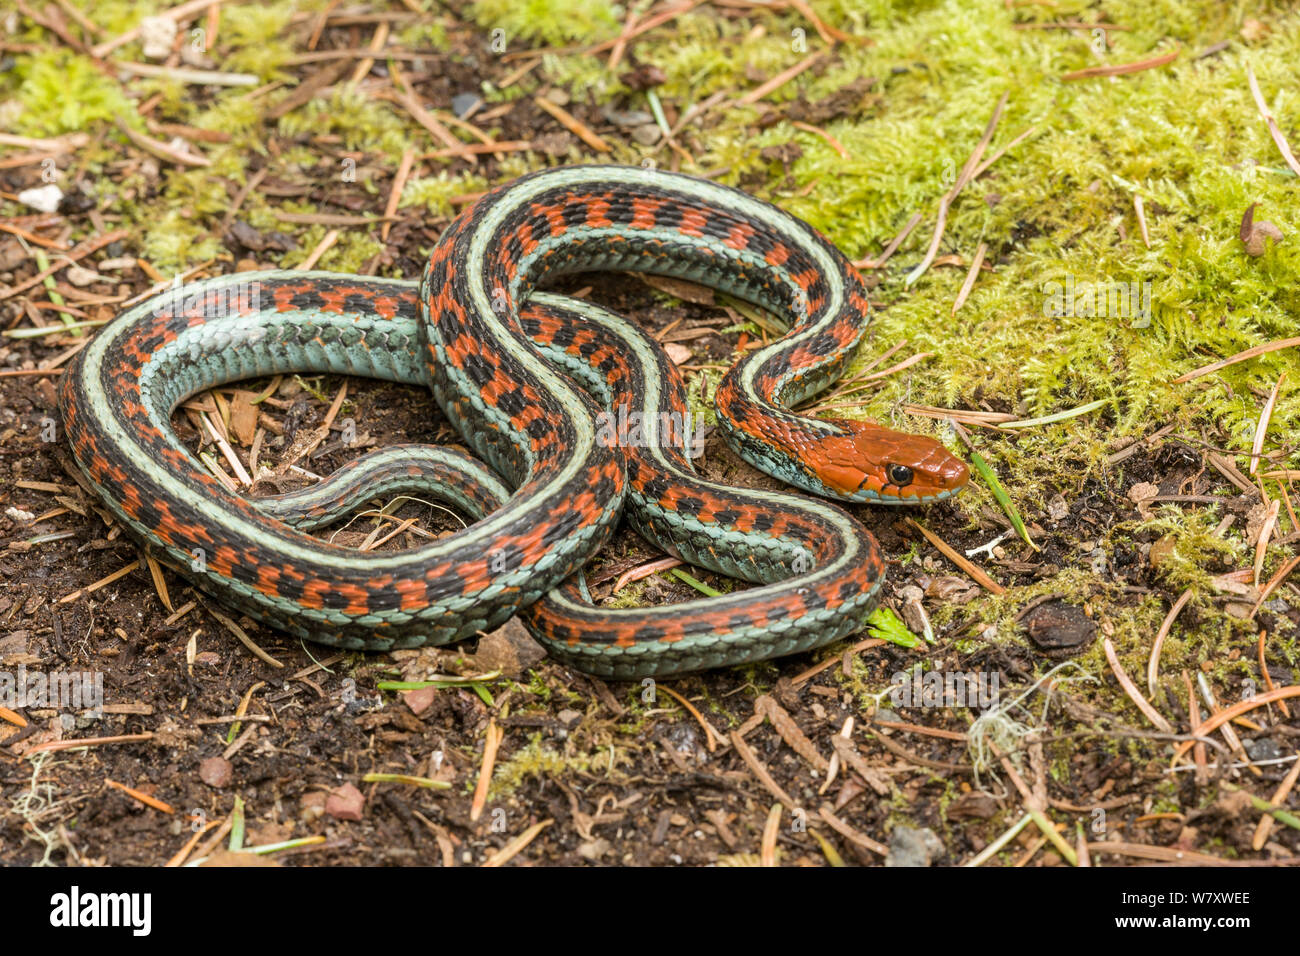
(648, 134)
(312, 806)
(912, 847)
(463, 103)
(216, 772)
(345, 803)
(42, 198)
(157, 34)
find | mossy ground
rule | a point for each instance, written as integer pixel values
(1060, 206)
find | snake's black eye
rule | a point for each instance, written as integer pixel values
(900, 475)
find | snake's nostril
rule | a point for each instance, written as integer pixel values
(955, 473)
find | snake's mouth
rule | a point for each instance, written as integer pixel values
(866, 495)
(870, 464)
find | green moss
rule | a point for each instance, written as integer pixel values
(1177, 137)
(62, 92)
(555, 22)
(435, 193)
(255, 36)
(1190, 547)
(422, 36)
(118, 16)
(239, 116)
(588, 78)
(538, 686)
(535, 759)
(173, 242)
(350, 253)
(362, 123)
(532, 760)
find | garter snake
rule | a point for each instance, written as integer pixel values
(468, 332)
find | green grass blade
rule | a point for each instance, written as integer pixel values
(237, 825)
(406, 778)
(696, 583)
(1058, 416)
(1000, 493)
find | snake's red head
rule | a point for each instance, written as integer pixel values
(871, 464)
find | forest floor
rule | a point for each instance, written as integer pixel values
(1155, 595)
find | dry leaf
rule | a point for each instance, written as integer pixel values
(680, 289)
(678, 353)
(243, 417)
(1142, 494)
(80, 276)
(1252, 29)
(1254, 234)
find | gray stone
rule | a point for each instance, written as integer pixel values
(912, 847)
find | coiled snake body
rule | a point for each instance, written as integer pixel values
(498, 359)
